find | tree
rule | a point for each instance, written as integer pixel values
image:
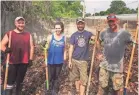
(133, 11)
(44, 9)
(66, 9)
(88, 14)
(117, 7)
(102, 13)
(97, 14)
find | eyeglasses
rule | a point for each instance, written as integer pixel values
(111, 17)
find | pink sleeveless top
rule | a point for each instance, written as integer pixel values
(20, 46)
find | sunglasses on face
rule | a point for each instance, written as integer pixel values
(111, 17)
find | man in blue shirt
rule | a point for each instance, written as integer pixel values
(78, 56)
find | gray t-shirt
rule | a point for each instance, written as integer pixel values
(114, 49)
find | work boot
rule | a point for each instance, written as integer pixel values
(19, 89)
(54, 92)
(49, 92)
(117, 92)
(8, 91)
(103, 91)
(56, 86)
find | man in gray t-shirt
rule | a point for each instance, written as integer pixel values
(114, 42)
(114, 49)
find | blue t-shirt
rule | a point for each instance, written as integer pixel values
(56, 51)
(80, 40)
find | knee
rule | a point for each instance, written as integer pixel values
(83, 82)
(119, 90)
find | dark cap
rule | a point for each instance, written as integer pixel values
(80, 20)
(18, 18)
(111, 17)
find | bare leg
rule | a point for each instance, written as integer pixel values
(77, 85)
(82, 89)
(100, 91)
(118, 92)
(103, 91)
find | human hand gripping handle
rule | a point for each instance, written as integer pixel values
(30, 63)
(99, 56)
(8, 50)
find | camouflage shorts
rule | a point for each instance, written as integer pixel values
(105, 75)
(79, 71)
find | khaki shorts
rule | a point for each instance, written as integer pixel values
(79, 71)
(105, 75)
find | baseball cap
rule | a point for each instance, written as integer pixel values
(18, 18)
(111, 17)
(80, 20)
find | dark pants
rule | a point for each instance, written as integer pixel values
(53, 74)
(16, 75)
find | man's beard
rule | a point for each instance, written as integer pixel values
(80, 29)
(20, 30)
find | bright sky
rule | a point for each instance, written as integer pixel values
(103, 5)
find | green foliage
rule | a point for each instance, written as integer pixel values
(41, 9)
(44, 9)
(67, 9)
(55, 9)
(102, 13)
(88, 14)
(117, 7)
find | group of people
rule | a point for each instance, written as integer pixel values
(114, 41)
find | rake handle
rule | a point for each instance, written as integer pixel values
(92, 62)
(130, 63)
(7, 61)
(45, 54)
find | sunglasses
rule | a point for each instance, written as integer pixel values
(111, 17)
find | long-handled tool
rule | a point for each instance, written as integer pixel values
(92, 62)
(132, 54)
(45, 54)
(130, 63)
(7, 63)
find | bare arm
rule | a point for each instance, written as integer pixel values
(31, 48)
(49, 38)
(65, 51)
(70, 55)
(99, 45)
(70, 52)
(4, 42)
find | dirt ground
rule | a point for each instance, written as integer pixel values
(34, 83)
